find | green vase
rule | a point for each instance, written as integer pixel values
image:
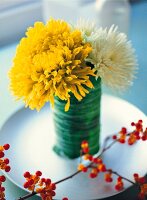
(80, 122)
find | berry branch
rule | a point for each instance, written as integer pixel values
(72, 175)
(124, 178)
(46, 189)
(4, 165)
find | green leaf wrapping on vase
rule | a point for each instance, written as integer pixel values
(81, 122)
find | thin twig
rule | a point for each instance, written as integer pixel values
(68, 177)
(105, 148)
(117, 174)
(27, 196)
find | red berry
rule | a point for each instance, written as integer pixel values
(90, 157)
(136, 133)
(43, 196)
(141, 180)
(109, 179)
(103, 169)
(93, 175)
(140, 121)
(26, 185)
(38, 173)
(119, 178)
(84, 169)
(118, 187)
(95, 160)
(65, 198)
(53, 186)
(136, 175)
(122, 141)
(43, 180)
(30, 182)
(130, 142)
(8, 168)
(141, 196)
(53, 193)
(124, 130)
(99, 160)
(138, 137)
(6, 161)
(144, 138)
(84, 142)
(132, 124)
(2, 178)
(1, 154)
(2, 189)
(48, 181)
(6, 146)
(27, 175)
(86, 150)
(114, 137)
(138, 126)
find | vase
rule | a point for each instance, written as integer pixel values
(80, 122)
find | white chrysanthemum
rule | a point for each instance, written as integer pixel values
(113, 58)
(87, 28)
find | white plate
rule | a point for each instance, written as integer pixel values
(31, 136)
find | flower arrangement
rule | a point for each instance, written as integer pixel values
(46, 188)
(65, 65)
(59, 59)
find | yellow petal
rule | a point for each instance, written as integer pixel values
(67, 105)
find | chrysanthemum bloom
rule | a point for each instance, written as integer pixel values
(50, 61)
(112, 55)
(87, 28)
(113, 58)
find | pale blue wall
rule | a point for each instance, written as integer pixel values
(137, 94)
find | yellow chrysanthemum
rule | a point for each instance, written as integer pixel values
(50, 61)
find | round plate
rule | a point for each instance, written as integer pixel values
(31, 136)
